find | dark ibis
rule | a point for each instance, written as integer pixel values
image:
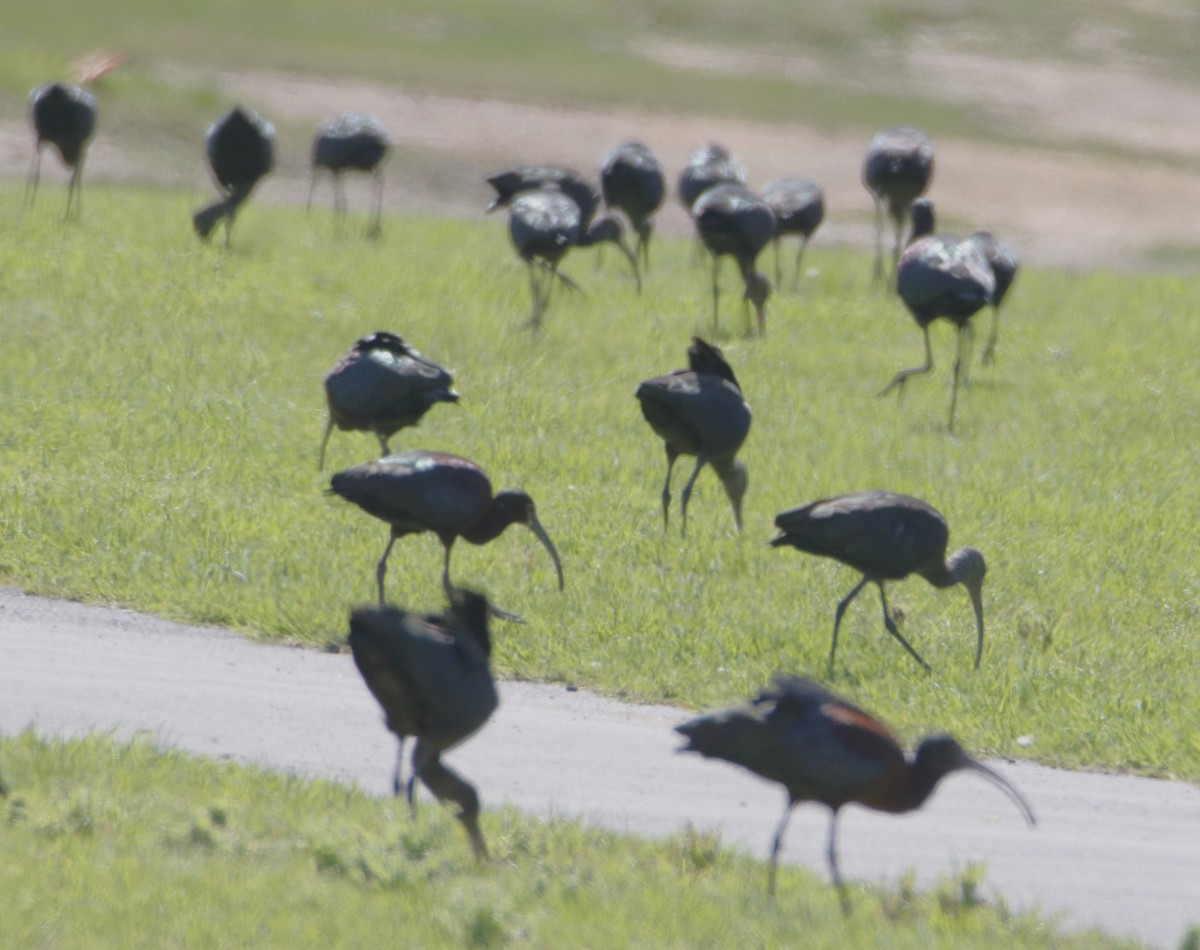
(708, 167)
(885, 536)
(383, 385)
(1004, 263)
(940, 276)
(543, 226)
(241, 151)
(431, 674)
(352, 141)
(799, 207)
(896, 171)
(700, 411)
(631, 180)
(821, 748)
(63, 116)
(511, 184)
(434, 491)
(732, 220)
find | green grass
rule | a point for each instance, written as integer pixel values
(163, 408)
(119, 845)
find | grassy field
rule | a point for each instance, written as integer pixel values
(111, 845)
(164, 408)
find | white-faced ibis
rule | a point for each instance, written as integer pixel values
(884, 536)
(799, 207)
(432, 677)
(821, 748)
(383, 385)
(63, 116)
(733, 220)
(352, 141)
(708, 167)
(941, 276)
(241, 150)
(543, 226)
(1004, 263)
(631, 180)
(700, 411)
(434, 491)
(897, 170)
(511, 184)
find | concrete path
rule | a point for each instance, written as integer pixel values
(1112, 851)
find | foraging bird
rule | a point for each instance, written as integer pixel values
(708, 167)
(700, 412)
(731, 219)
(434, 491)
(241, 150)
(799, 207)
(885, 536)
(631, 180)
(897, 170)
(432, 677)
(1004, 263)
(821, 748)
(511, 184)
(63, 116)
(941, 276)
(352, 141)
(543, 226)
(383, 385)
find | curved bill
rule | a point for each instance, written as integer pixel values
(1005, 786)
(977, 602)
(632, 258)
(536, 527)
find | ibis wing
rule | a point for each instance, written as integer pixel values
(418, 491)
(696, 413)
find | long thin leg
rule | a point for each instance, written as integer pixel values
(75, 188)
(381, 567)
(799, 258)
(891, 628)
(687, 490)
(324, 442)
(961, 357)
(35, 174)
(896, 247)
(837, 617)
(776, 846)
(989, 351)
(778, 270)
(384, 451)
(833, 865)
(877, 274)
(312, 184)
(397, 782)
(716, 288)
(672, 455)
(449, 786)
(376, 227)
(900, 377)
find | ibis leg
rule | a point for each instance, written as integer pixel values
(716, 288)
(778, 270)
(799, 259)
(989, 351)
(75, 188)
(877, 275)
(35, 173)
(312, 184)
(397, 782)
(833, 865)
(961, 358)
(776, 846)
(381, 568)
(376, 227)
(837, 617)
(687, 491)
(449, 786)
(900, 377)
(672, 455)
(892, 629)
(324, 442)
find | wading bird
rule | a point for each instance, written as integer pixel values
(383, 385)
(432, 677)
(941, 276)
(631, 180)
(700, 412)
(897, 170)
(884, 536)
(543, 226)
(352, 141)
(821, 748)
(241, 150)
(799, 207)
(1004, 263)
(513, 183)
(434, 491)
(708, 167)
(63, 116)
(732, 220)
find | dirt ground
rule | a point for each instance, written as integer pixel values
(1059, 205)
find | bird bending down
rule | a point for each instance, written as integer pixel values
(821, 748)
(241, 150)
(941, 276)
(511, 184)
(732, 220)
(708, 167)
(884, 536)
(431, 674)
(383, 385)
(897, 170)
(434, 491)
(352, 141)
(631, 180)
(63, 116)
(1004, 263)
(799, 207)
(700, 412)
